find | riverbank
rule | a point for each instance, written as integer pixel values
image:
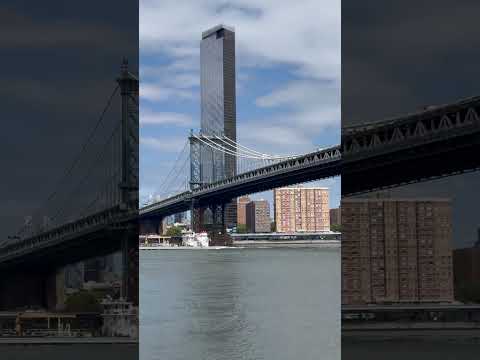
(51, 340)
(287, 244)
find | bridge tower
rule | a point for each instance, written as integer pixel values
(211, 218)
(128, 84)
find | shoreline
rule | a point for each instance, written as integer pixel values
(66, 341)
(259, 244)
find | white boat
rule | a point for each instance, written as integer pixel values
(197, 240)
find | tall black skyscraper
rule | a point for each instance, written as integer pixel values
(217, 58)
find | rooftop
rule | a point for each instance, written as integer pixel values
(214, 29)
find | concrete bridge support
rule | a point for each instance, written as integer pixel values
(212, 220)
(130, 262)
(32, 288)
(151, 226)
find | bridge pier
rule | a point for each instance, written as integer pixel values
(214, 223)
(130, 262)
(151, 226)
(197, 217)
(32, 288)
(218, 230)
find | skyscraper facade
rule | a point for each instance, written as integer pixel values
(396, 250)
(299, 209)
(218, 106)
(258, 216)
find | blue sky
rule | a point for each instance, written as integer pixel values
(287, 73)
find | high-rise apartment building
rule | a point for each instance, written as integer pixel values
(218, 106)
(258, 216)
(299, 209)
(396, 250)
(241, 208)
(335, 217)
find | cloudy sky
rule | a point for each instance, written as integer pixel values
(60, 62)
(287, 72)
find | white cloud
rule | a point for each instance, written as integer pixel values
(300, 92)
(176, 75)
(304, 33)
(150, 117)
(155, 92)
(274, 138)
(171, 145)
(307, 108)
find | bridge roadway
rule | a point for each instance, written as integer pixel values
(317, 165)
(32, 263)
(91, 236)
(436, 142)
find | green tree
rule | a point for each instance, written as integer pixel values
(174, 231)
(336, 227)
(241, 228)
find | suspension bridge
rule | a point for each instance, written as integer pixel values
(439, 141)
(92, 210)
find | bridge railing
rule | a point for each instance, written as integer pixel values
(307, 160)
(89, 223)
(183, 196)
(433, 124)
(311, 159)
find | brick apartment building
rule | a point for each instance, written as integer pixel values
(258, 216)
(396, 250)
(241, 215)
(299, 209)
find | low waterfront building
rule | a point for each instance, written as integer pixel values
(287, 239)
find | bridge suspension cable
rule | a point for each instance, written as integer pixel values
(101, 155)
(177, 179)
(79, 162)
(247, 150)
(235, 151)
(175, 173)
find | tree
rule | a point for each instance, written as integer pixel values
(241, 228)
(174, 231)
(336, 227)
(273, 226)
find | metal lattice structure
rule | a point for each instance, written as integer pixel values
(94, 208)
(435, 124)
(252, 181)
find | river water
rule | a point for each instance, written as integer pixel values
(252, 304)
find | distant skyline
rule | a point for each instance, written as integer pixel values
(287, 73)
